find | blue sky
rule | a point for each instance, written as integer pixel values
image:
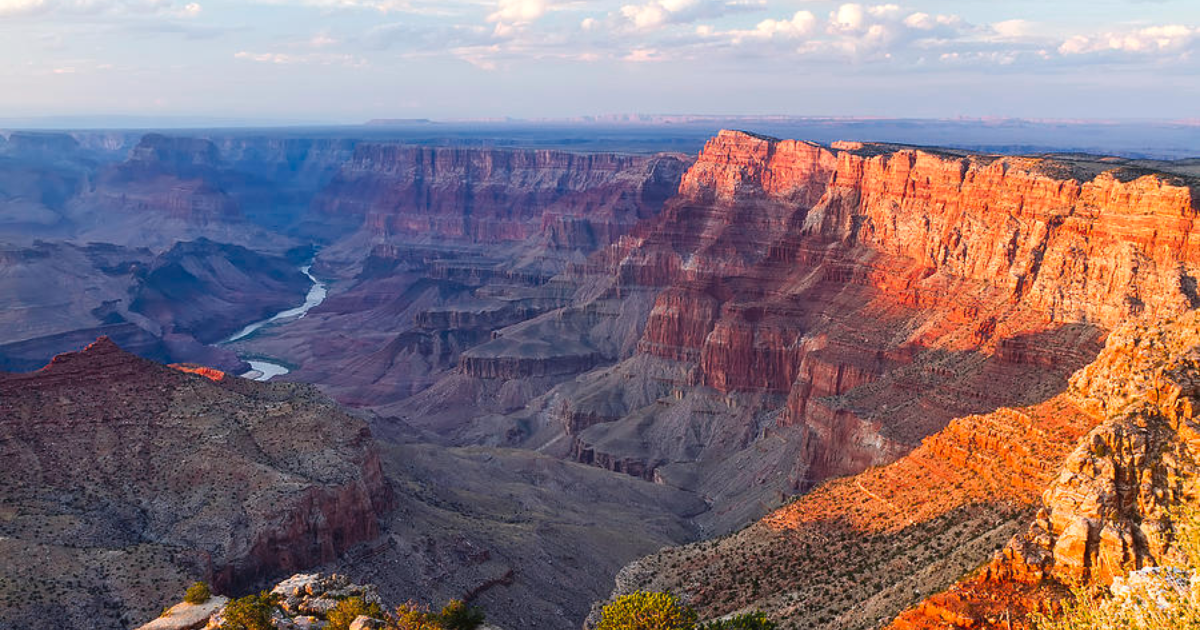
(351, 60)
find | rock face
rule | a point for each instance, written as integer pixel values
(302, 602)
(575, 201)
(883, 290)
(860, 549)
(160, 306)
(1107, 512)
(168, 177)
(124, 480)
(210, 290)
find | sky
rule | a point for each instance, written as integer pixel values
(347, 61)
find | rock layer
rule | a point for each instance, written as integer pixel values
(574, 201)
(885, 289)
(126, 479)
(1108, 511)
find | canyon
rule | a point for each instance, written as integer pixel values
(850, 369)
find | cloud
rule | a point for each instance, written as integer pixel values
(643, 55)
(519, 11)
(1014, 29)
(657, 14)
(436, 8)
(97, 8)
(1155, 40)
(283, 59)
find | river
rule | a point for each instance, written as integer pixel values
(261, 369)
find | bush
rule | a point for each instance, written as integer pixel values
(1147, 606)
(751, 621)
(457, 615)
(197, 593)
(647, 611)
(348, 610)
(411, 616)
(252, 612)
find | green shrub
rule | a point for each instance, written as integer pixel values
(252, 612)
(348, 610)
(647, 611)
(197, 593)
(412, 616)
(457, 615)
(750, 621)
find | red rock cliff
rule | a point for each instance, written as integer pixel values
(493, 195)
(180, 475)
(885, 290)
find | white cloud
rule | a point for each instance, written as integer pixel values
(654, 15)
(643, 55)
(519, 11)
(1168, 39)
(324, 59)
(22, 7)
(802, 24)
(96, 8)
(1014, 29)
(322, 40)
(416, 7)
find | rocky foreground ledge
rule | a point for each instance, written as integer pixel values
(301, 602)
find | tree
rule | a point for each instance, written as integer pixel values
(252, 612)
(457, 615)
(647, 611)
(412, 616)
(348, 610)
(197, 593)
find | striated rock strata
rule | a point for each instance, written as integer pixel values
(1108, 510)
(1096, 469)
(883, 290)
(573, 201)
(125, 479)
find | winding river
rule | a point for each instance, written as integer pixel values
(262, 370)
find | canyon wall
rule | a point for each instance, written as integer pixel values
(1110, 507)
(127, 480)
(884, 290)
(488, 195)
(1081, 486)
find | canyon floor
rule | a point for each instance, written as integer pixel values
(823, 380)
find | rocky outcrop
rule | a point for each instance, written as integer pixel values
(574, 201)
(1108, 511)
(1097, 470)
(211, 290)
(171, 177)
(886, 290)
(122, 470)
(301, 602)
(185, 616)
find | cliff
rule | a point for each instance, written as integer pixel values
(883, 290)
(127, 479)
(1083, 484)
(572, 201)
(998, 242)
(167, 177)
(1108, 510)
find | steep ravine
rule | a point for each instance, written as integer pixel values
(263, 369)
